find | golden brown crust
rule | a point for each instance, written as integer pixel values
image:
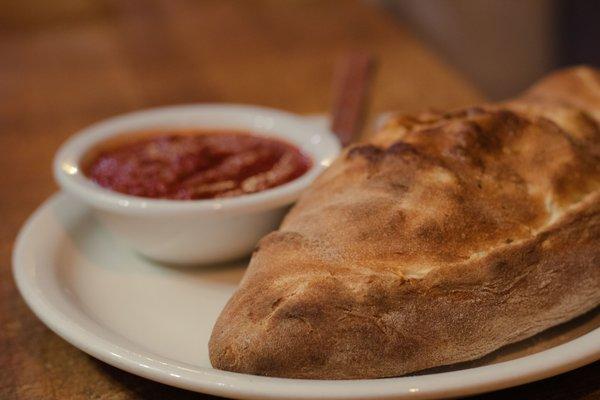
(446, 237)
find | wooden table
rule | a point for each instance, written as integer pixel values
(65, 64)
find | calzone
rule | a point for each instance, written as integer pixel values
(445, 237)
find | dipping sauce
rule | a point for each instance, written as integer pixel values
(190, 165)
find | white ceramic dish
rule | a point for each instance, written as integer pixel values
(155, 321)
(195, 231)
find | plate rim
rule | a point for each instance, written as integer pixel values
(550, 362)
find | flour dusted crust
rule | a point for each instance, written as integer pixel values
(446, 237)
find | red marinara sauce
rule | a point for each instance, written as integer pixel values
(190, 165)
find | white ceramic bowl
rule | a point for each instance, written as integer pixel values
(194, 231)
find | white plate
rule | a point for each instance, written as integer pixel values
(155, 321)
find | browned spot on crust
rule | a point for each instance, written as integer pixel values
(367, 151)
(401, 148)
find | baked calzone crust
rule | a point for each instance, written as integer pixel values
(444, 238)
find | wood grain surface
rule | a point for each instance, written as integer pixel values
(66, 63)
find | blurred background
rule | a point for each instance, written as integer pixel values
(498, 45)
(503, 45)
